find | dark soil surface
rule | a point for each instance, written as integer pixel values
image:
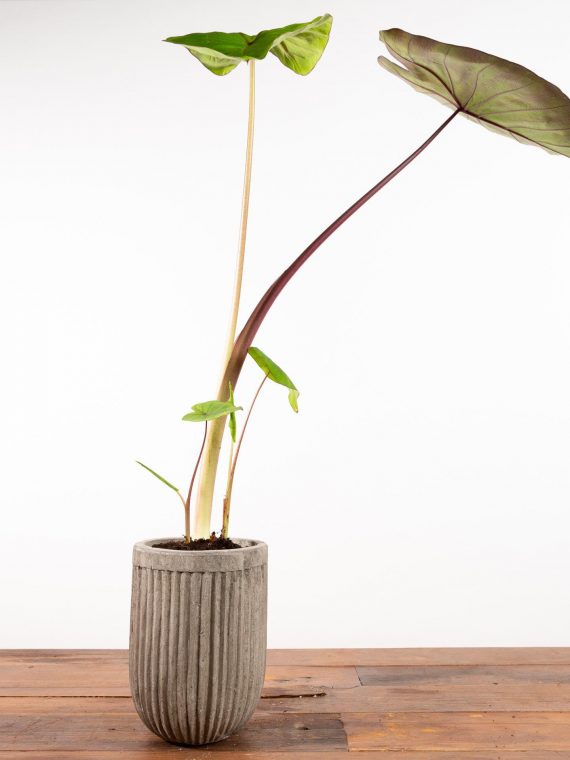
(199, 544)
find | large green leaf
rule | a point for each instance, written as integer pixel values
(210, 410)
(156, 475)
(275, 373)
(298, 46)
(502, 95)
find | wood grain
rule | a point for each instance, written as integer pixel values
(206, 754)
(456, 732)
(420, 704)
(483, 675)
(58, 724)
(82, 672)
(445, 689)
(414, 657)
(453, 699)
(105, 673)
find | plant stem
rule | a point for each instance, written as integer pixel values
(225, 508)
(206, 487)
(232, 472)
(244, 217)
(246, 336)
(187, 503)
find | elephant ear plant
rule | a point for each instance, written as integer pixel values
(500, 95)
(299, 47)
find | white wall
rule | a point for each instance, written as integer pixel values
(421, 497)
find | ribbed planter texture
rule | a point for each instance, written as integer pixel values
(198, 639)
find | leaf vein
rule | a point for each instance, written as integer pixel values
(477, 83)
(528, 110)
(419, 65)
(504, 92)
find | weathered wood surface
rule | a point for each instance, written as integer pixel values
(416, 704)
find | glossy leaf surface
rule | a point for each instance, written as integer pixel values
(501, 95)
(298, 46)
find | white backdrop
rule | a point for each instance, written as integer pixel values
(421, 497)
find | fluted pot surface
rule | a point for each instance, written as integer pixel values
(198, 639)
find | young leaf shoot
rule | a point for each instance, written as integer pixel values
(276, 374)
(210, 410)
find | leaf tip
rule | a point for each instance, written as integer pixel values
(293, 396)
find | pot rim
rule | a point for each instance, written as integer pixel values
(251, 554)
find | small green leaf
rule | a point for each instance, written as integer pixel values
(210, 410)
(156, 475)
(275, 373)
(298, 46)
(499, 94)
(232, 418)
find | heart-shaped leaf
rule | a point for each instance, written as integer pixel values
(501, 95)
(298, 46)
(210, 410)
(275, 373)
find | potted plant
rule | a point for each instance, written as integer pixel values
(198, 617)
(198, 611)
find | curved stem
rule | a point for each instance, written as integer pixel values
(206, 487)
(232, 472)
(252, 325)
(246, 336)
(187, 502)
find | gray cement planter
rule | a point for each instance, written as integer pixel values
(198, 639)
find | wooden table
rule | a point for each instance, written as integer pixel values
(387, 704)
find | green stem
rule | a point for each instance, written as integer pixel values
(203, 512)
(232, 472)
(225, 511)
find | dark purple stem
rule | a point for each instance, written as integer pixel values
(246, 336)
(187, 505)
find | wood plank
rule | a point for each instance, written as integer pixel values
(168, 751)
(343, 657)
(455, 732)
(485, 675)
(62, 706)
(481, 688)
(440, 697)
(337, 677)
(415, 657)
(444, 689)
(64, 672)
(104, 724)
(92, 673)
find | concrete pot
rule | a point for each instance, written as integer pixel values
(198, 639)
